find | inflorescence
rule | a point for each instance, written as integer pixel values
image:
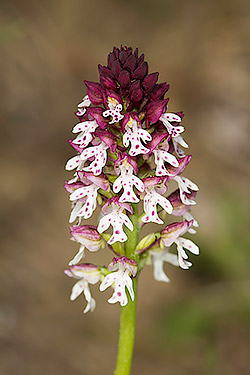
(128, 149)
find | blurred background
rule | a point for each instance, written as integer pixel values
(197, 324)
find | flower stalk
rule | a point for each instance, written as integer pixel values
(126, 335)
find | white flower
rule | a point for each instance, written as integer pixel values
(115, 218)
(85, 137)
(81, 106)
(120, 280)
(86, 274)
(176, 141)
(79, 255)
(88, 237)
(84, 208)
(126, 181)
(114, 110)
(182, 256)
(73, 163)
(162, 156)
(187, 216)
(158, 258)
(173, 130)
(151, 199)
(185, 185)
(134, 135)
(100, 157)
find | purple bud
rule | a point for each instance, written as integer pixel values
(130, 63)
(136, 53)
(123, 56)
(116, 68)
(107, 82)
(149, 81)
(116, 52)
(105, 71)
(140, 59)
(95, 92)
(155, 109)
(159, 91)
(141, 71)
(124, 78)
(135, 92)
(111, 59)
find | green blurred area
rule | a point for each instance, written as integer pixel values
(197, 324)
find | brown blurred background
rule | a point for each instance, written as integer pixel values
(199, 323)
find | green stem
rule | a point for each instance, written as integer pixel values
(128, 312)
(127, 336)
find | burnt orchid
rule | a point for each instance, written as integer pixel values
(128, 148)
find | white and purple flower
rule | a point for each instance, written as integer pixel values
(85, 274)
(113, 215)
(121, 269)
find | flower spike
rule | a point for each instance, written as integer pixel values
(128, 151)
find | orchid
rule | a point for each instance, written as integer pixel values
(134, 135)
(126, 181)
(128, 154)
(114, 110)
(120, 279)
(116, 218)
(85, 274)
